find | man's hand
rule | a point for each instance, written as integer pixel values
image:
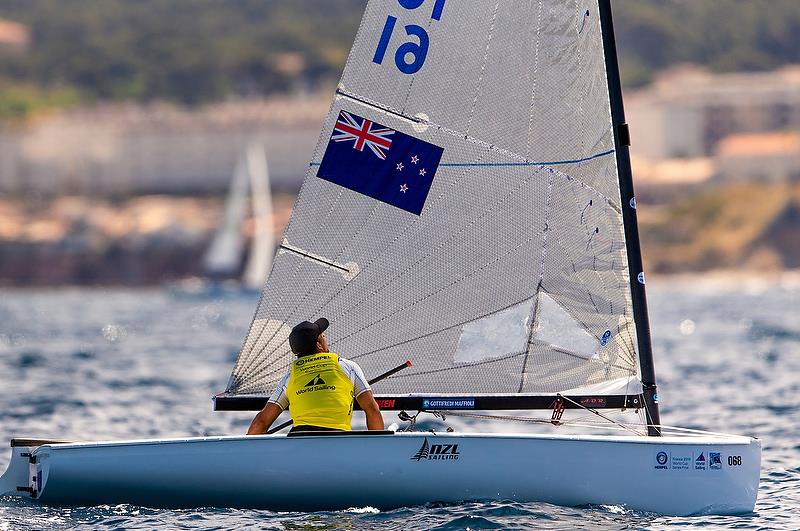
(266, 417)
(374, 418)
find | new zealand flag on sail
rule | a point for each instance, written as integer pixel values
(379, 162)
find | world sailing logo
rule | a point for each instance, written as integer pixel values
(436, 452)
(700, 462)
(316, 384)
(316, 380)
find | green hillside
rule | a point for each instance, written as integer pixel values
(194, 51)
(751, 226)
(190, 51)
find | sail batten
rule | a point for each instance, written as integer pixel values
(467, 168)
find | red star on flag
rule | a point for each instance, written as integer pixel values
(422, 172)
(414, 159)
(404, 188)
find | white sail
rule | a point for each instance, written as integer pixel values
(262, 246)
(224, 255)
(525, 202)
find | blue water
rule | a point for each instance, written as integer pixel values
(108, 364)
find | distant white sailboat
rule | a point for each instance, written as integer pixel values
(262, 247)
(223, 259)
(470, 206)
(249, 193)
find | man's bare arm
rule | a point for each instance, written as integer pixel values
(264, 419)
(374, 418)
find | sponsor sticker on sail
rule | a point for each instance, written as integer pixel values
(379, 162)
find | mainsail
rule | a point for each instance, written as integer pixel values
(462, 209)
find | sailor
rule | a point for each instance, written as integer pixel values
(319, 388)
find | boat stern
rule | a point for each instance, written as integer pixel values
(21, 478)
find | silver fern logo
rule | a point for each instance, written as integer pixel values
(423, 452)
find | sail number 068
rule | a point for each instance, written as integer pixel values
(410, 56)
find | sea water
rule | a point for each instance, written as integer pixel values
(88, 364)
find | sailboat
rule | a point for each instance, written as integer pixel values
(469, 206)
(222, 263)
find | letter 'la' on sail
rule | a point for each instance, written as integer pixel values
(469, 206)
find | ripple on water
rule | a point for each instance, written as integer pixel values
(468, 522)
(509, 509)
(761, 330)
(30, 359)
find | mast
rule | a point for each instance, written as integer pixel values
(634, 252)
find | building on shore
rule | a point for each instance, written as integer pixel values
(127, 149)
(14, 36)
(688, 110)
(768, 158)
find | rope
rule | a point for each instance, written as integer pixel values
(578, 422)
(598, 414)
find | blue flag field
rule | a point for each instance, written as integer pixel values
(379, 162)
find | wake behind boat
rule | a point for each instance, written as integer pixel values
(469, 205)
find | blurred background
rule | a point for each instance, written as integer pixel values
(133, 141)
(122, 124)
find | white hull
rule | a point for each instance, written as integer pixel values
(315, 472)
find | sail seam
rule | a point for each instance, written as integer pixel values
(535, 78)
(580, 70)
(529, 344)
(483, 67)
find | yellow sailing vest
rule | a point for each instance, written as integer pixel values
(320, 393)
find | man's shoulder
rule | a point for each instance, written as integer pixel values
(348, 363)
(354, 372)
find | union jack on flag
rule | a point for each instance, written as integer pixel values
(363, 132)
(400, 176)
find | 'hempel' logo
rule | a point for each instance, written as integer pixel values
(436, 452)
